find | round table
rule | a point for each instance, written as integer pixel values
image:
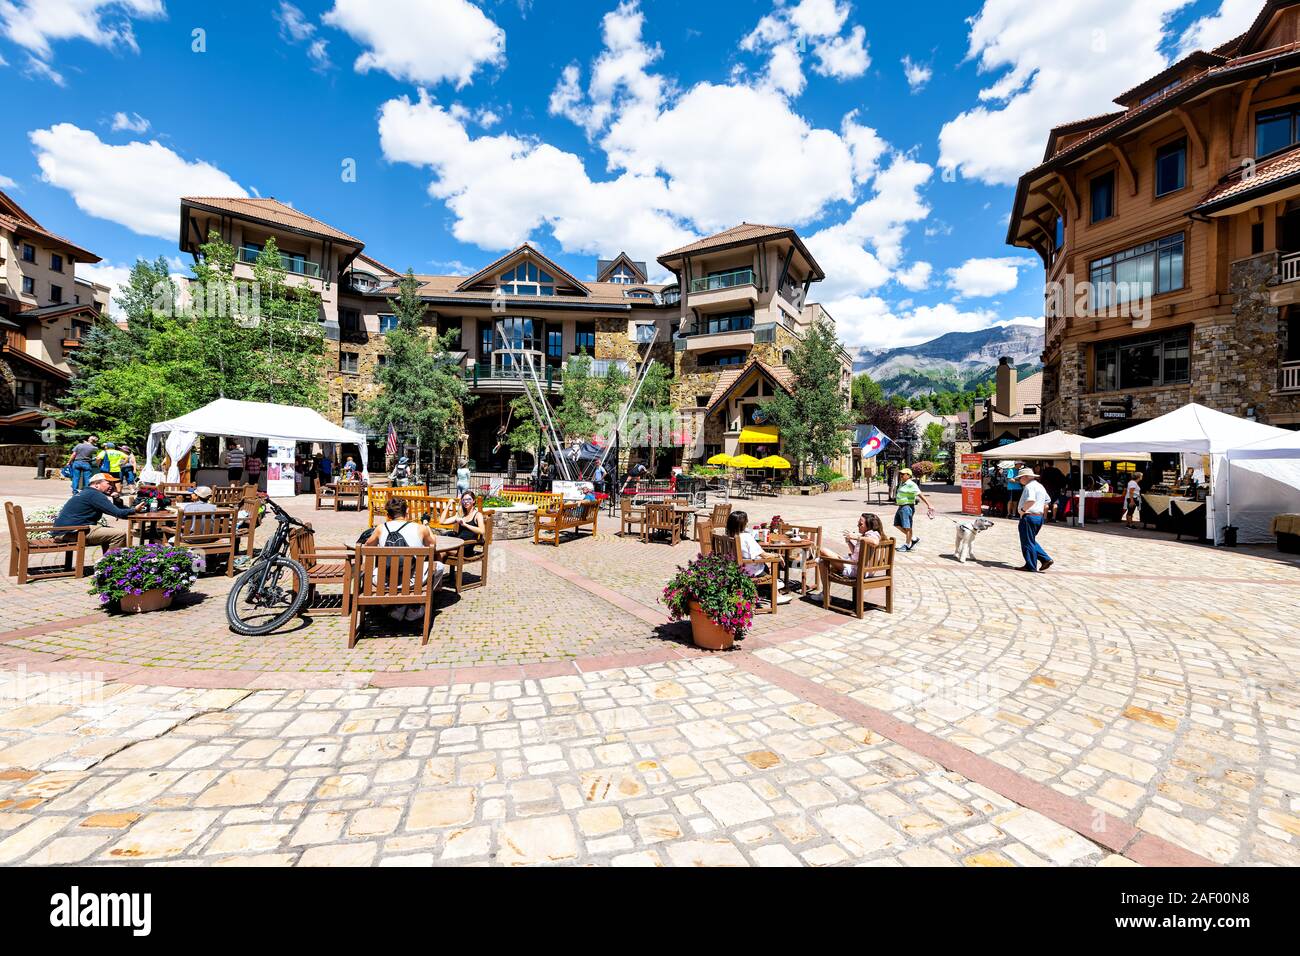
(140, 521)
(787, 547)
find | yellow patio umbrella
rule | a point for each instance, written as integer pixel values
(745, 461)
(774, 461)
(721, 458)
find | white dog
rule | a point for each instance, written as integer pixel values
(966, 532)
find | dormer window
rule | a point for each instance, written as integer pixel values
(526, 279)
(622, 275)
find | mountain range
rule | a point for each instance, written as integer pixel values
(957, 361)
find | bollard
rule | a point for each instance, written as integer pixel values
(41, 459)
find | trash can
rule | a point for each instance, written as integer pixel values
(41, 461)
(1229, 537)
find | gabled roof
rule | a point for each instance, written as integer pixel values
(10, 207)
(26, 226)
(47, 312)
(10, 353)
(269, 211)
(744, 234)
(371, 260)
(524, 253)
(606, 266)
(1196, 60)
(727, 382)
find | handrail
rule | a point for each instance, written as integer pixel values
(724, 280)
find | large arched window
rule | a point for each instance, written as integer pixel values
(514, 335)
(623, 276)
(526, 279)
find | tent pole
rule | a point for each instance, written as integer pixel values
(1083, 503)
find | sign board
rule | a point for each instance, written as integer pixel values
(281, 482)
(572, 490)
(972, 487)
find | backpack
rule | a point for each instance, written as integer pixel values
(394, 539)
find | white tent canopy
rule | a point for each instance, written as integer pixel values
(1285, 445)
(226, 416)
(1053, 445)
(1194, 430)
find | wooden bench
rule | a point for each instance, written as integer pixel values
(571, 516)
(26, 540)
(346, 492)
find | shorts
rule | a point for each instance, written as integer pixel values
(903, 518)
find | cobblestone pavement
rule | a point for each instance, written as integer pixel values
(1136, 704)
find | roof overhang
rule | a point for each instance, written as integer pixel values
(188, 204)
(754, 366)
(1284, 187)
(524, 253)
(814, 269)
(11, 353)
(50, 239)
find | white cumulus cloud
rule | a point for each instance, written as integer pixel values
(135, 122)
(35, 25)
(918, 74)
(137, 185)
(1231, 20)
(983, 277)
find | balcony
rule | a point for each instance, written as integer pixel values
(295, 264)
(508, 374)
(1288, 377)
(1289, 267)
(727, 289)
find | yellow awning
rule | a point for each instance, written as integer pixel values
(758, 435)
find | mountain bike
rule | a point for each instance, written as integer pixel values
(273, 589)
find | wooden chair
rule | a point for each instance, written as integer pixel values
(348, 491)
(630, 516)
(22, 547)
(660, 518)
(211, 532)
(874, 569)
(724, 544)
(170, 489)
(704, 534)
(480, 558)
(386, 577)
(717, 518)
(324, 493)
(228, 496)
(324, 566)
(806, 561)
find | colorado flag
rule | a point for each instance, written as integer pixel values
(875, 443)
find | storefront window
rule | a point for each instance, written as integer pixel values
(1143, 362)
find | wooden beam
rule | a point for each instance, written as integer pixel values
(1193, 135)
(1121, 157)
(1070, 194)
(1054, 201)
(1243, 114)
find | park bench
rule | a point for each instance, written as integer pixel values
(571, 516)
(40, 538)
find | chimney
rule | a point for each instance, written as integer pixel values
(1004, 402)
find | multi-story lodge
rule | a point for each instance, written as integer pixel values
(1181, 209)
(725, 327)
(45, 310)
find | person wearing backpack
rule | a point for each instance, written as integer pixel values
(398, 532)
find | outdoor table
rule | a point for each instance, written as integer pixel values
(788, 547)
(683, 512)
(141, 521)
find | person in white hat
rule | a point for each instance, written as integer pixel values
(1034, 500)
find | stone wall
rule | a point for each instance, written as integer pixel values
(1260, 342)
(25, 455)
(368, 346)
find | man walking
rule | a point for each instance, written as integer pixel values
(1033, 505)
(909, 492)
(83, 463)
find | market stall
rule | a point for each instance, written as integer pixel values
(281, 426)
(1264, 481)
(1203, 437)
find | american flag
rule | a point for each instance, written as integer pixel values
(390, 449)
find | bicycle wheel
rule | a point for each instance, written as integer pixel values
(254, 610)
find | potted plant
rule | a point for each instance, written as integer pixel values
(717, 596)
(145, 577)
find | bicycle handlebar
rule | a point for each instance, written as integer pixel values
(283, 515)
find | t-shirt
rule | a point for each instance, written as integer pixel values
(751, 553)
(873, 539)
(235, 457)
(84, 451)
(254, 465)
(110, 460)
(1034, 499)
(413, 532)
(87, 507)
(907, 493)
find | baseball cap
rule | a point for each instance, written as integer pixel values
(104, 476)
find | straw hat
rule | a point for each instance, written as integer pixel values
(1024, 473)
(905, 471)
(203, 492)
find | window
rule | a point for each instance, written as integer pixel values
(731, 322)
(622, 275)
(1103, 196)
(56, 293)
(1292, 326)
(349, 404)
(639, 294)
(29, 252)
(349, 320)
(56, 262)
(517, 334)
(526, 279)
(485, 338)
(1058, 233)
(349, 363)
(554, 346)
(1275, 130)
(1148, 269)
(28, 393)
(1143, 362)
(722, 359)
(452, 326)
(380, 362)
(387, 323)
(1171, 167)
(1256, 238)
(585, 338)
(29, 285)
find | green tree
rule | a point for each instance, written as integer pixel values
(866, 392)
(932, 440)
(812, 419)
(423, 392)
(655, 401)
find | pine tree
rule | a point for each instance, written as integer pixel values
(813, 421)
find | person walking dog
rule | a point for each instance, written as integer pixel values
(1033, 506)
(906, 497)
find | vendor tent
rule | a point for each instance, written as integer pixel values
(1265, 482)
(1193, 430)
(1052, 446)
(227, 416)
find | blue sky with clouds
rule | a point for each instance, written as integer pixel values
(890, 135)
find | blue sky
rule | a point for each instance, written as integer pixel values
(889, 134)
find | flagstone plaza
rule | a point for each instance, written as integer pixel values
(1135, 705)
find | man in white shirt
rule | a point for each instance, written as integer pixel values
(1034, 500)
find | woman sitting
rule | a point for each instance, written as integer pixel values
(870, 532)
(754, 561)
(469, 524)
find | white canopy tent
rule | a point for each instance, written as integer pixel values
(261, 420)
(1051, 446)
(1191, 430)
(1265, 481)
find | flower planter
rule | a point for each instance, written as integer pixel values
(707, 634)
(155, 599)
(512, 523)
